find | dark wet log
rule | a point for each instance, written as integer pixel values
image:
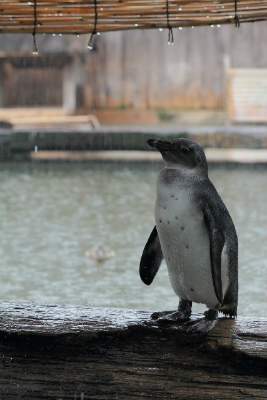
(67, 352)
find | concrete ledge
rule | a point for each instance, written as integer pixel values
(237, 155)
(213, 155)
(96, 155)
(68, 142)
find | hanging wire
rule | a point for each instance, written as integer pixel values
(91, 40)
(34, 45)
(236, 19)
(170, 33)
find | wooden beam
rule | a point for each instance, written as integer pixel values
(2, 79)
(69, 100)
(68, 352)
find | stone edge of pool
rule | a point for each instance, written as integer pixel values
(225, 144)
(213, 155)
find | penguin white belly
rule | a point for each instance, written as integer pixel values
(185, 245)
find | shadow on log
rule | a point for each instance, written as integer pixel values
(82, 353)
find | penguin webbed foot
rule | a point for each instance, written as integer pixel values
(160, 314)
(204, 325)
(166, 317)
(182, 314)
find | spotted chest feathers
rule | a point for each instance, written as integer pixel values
(185, 241)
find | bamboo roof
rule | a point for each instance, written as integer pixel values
(95, 16)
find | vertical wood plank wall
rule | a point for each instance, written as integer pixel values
(138, 69)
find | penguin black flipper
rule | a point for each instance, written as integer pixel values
(151, 258)
(216, 246)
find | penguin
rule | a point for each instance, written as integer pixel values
(195, 235)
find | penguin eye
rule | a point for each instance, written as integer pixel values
(185, 150)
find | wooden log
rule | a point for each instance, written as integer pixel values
(67, 352)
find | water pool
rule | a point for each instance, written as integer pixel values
(51, 213)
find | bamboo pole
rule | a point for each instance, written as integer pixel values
(78, 17)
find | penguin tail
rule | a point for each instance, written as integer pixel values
(229, 308)
(229, 312)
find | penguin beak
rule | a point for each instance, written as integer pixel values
(161, 145)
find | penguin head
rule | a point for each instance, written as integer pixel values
(181, 154)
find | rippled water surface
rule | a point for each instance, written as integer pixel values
(52, 213)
